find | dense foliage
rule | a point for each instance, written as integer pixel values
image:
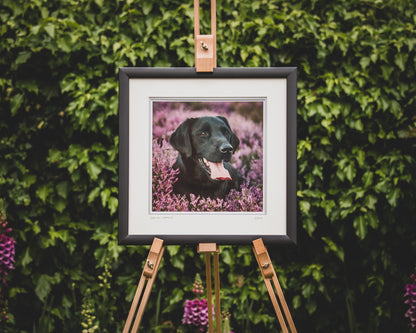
(356, 62)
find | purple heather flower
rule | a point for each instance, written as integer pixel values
(7, 251)
(410, 300)
(196, 313)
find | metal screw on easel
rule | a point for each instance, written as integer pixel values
(204, 46)
(265, 265)
(150, 264)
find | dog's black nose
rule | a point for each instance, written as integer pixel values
(226, 148)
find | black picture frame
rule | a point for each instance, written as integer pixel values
(133, 81)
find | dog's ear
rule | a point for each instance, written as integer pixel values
(235, 141)
(181, 138)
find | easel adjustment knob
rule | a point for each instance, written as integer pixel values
(150, 264)
(204, 46)
(153, 258)
(266, 265)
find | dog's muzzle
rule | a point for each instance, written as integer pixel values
(215, 170)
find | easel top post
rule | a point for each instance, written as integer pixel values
(205, 45)
(213, 18)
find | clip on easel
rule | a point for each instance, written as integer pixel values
(205, 45)
(269, 276)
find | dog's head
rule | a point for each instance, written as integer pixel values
(207, 140)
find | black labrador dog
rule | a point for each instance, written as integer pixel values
(205, 147)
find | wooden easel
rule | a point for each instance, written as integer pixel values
(152, 265)
(206, 61)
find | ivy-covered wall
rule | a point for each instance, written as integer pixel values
(356, 62)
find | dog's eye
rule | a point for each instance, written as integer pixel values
(203, 133)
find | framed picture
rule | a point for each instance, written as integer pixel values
(207, 157)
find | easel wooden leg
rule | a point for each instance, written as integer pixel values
(209, 291)
(209, 248)
(217, 290)
(149, 274)
(269, 276)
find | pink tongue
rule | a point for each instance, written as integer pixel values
(218, 171)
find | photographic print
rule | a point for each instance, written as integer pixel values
(207, 157)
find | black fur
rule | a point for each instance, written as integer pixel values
(204, 139)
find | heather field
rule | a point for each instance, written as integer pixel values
(246, 121)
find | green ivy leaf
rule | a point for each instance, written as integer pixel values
(65, 44)
(113, 205)
(360, 225)
(244, 55)
(22, 58)
(297, 302)
(311, 306)
(173, 249)
(100, 3)
(226, 257)
(26, 258)
(60, 205)
(62, 189)
(350, 172)
(393, 196)
(178, 262)
(304, 206)
(307, 290)
(105, 195)
(373, 220)
(93, 194)
(43, 287)
(44, 191)
(309, 225)
(400, 60)
(364, 62)
(15, 103)
(367, 179)
(177, 296)
(331, 246)
(93, 170)
(50, 29)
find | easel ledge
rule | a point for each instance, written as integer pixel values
(266, 267)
